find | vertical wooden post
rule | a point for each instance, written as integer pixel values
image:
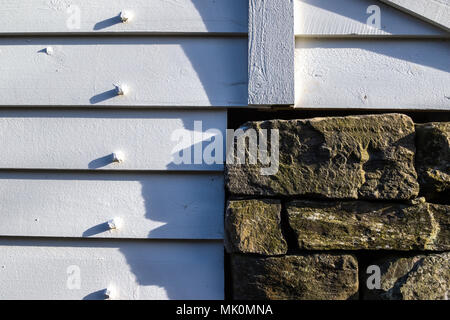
(271, 52)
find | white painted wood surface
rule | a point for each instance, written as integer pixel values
(86, 139)
(378, 74)
(436, 12)
(150, 205)
(159, 71)
(348, 18)
(271, 52)
(102, 16)
(47, 269)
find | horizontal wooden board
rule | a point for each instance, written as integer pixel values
(86, 140)
(159, 71)
(349, 18)
(149, 205)
(436, 12)
(103, 16)
(373, 74)
(73, 270)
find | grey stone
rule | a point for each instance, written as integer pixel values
(355, 157)
(356, 225)
(433, 160)
(253, 226)
(411, 278)
(302, 277)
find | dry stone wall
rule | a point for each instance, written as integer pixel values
(359, 209)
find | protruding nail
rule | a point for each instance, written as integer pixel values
(115, 223)
(121, 89)
(118, 157)
(125, 16)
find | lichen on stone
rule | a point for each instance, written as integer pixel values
(421, 277)
(433, 160)
(254, 226)
(297, 277)
(357, 225)
(355, 157)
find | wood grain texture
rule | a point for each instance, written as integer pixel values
(436, 12)
(372, 74)
(102, 16)
(86, 140)
(159, 71)
(45, 269)
(348, 18)
(150, 205)
(271, 52)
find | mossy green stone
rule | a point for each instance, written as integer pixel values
(254, 226)
(355, 157)
(356, 225)
(422, 277)
(299, 277)
(433, 160)
(441, 216)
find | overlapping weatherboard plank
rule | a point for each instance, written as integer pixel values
(372, 74)
(148, 205)
(86, 139)
(271, 52)
(349, 18)
(159, 71)
(436, 12)
(73, 269)
(103, 16)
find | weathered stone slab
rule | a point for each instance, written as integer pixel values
(304, 277)
(254, 226)
(412, 278)
(355, 157)
(433, 160)
(355, 225)
(441, 215)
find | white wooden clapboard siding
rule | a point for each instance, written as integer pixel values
(403, 64)
(74, 139)
(325, 18)
(436, 12)
(62, 121)
(149, 205)
(159, 71)
(379, 74)
(103, 16)
(59, 269)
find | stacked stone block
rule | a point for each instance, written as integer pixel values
(346, 187)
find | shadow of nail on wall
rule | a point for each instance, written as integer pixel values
(219, 62)
(107, 23)
(101, 162)
(103, 96)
